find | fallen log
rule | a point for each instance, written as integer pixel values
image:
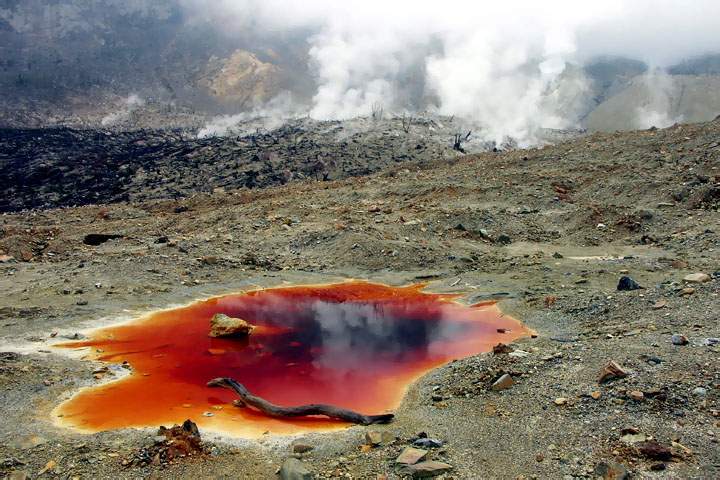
(273, 410)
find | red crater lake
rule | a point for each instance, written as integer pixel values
(357, 345)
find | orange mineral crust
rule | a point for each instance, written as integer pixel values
(356, 345)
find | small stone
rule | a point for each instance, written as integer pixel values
(504, 239)
(539, 457)
(49, 467)
(560, 401)
(611, 371)
(660, 304)
(426, 469)
(596, 395)
(6, 258)
(680, 450)
(18, 475)
(654, 451)
(518, 354)
(502, 383)
(428, 443)
(223, 326)
(209, 260)
(711, 341)
(501, 349)
(411, 456)
(700, 391)
(373, 437)
(697, 278)
(611, 471)
(294, 469)
(300, 447)
(633, 437)
(678, 339)
(637, 395)
(687, 292)
(627, 284)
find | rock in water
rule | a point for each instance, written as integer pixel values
(223, 326)
(294, 469)
(627, 284)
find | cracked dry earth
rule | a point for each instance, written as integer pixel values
(548, 232)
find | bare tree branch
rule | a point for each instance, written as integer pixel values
(273, 410)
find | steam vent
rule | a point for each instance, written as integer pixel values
(356, 345)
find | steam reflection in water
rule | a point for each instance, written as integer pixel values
(356, 345)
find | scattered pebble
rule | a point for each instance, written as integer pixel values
(294, 469)
(426, 469)
(637, 395)
(411, 455)
(301, 447)
(660, 304)
(611, 371)
(654, 450)
(611, 471)
(502, 383)
(697, 278)
(627, 284)
(376, 437)
(428, 443)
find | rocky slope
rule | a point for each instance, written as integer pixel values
(548, 231)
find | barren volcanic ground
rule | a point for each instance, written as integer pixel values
(548, 232)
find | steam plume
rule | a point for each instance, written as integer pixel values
(502, 64)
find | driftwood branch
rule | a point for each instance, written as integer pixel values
(299, 411)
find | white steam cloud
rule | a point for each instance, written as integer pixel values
(128, 106)
(268, 117)
(657, 109)
(501, 64)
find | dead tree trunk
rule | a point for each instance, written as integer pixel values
(273, 410)
(457, 144)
